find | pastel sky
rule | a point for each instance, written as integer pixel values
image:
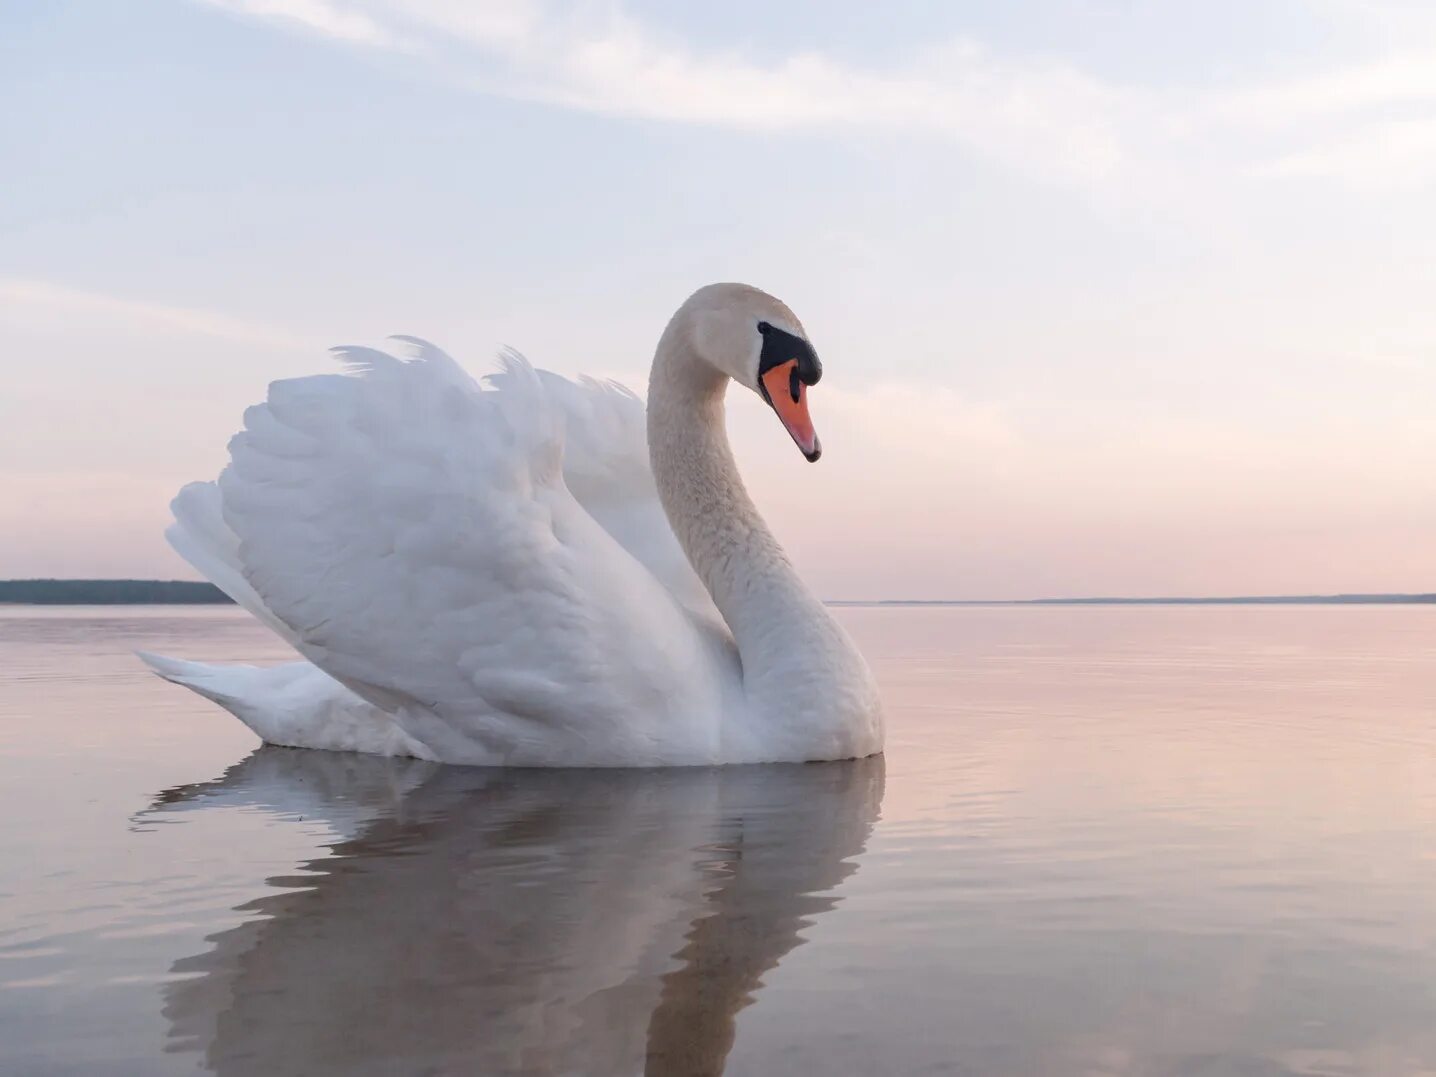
(1112, 297)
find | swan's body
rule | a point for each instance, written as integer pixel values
(496, 575)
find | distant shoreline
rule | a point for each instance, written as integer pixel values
(53, 592)
(111, 593)
(1233, 600)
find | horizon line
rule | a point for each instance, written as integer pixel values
(65, 584)
(1335, 598)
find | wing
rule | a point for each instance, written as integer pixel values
(412, 534)
(606, 468)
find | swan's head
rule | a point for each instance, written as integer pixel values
(758, 342)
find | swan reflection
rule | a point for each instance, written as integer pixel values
(516, 922)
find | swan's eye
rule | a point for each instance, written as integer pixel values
(780, 347)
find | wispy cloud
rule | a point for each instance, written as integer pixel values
(1012, 109)
(336, 20)
(1405, 79)
(1351, 124)
(1366, 123)
(1379, 155)
(29, 297)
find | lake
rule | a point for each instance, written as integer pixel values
(1141, 840)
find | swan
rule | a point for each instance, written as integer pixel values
(528, 571)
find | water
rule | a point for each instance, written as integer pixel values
(1185, 841)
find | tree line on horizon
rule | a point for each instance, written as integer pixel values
(111, 592)
(55, 592)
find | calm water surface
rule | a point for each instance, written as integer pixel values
(1195, 841)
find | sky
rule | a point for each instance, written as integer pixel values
(1112, 298)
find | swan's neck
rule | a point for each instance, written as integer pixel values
(787, 640)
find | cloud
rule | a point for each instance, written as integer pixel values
(1377, 155)
(1366, 124)
(20, 297)
(1011, 109)
(1039, 116)
(336, 20)
(1393, 80)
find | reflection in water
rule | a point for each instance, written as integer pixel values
(494, 922)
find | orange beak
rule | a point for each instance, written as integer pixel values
(789, 396)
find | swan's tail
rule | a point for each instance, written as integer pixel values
(296, 705)
(219, 683)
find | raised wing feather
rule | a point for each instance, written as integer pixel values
(413, 535)
(606, 468)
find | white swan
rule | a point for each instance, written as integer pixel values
(494, 574)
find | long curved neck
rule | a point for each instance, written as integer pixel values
(779, 626)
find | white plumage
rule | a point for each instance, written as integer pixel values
(485, 573)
